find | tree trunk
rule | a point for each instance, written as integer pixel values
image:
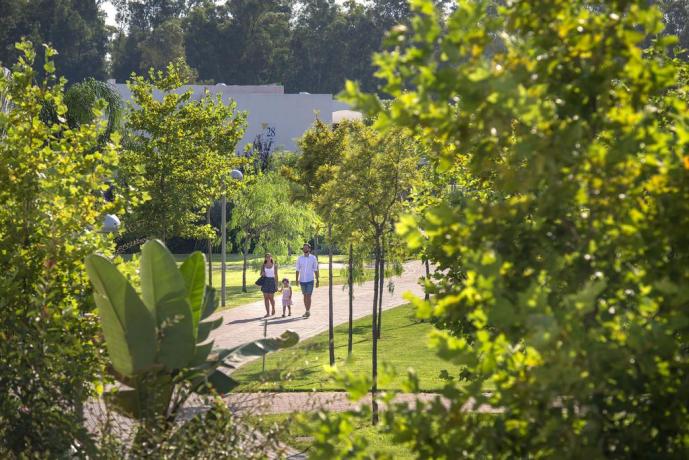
(374, 334)
(331, 332)
(426, 295)
(245, 249)
(382, 285)
(210, 249)
(350, 281)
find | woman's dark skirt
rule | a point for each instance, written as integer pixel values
(269, 286)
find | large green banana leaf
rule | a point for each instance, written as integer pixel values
(207, 372)
(194, 272)
(205, 328)
(164, 292)
(221, 383)
(210, 302)
(128, 327)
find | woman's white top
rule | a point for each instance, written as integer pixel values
(269, 272)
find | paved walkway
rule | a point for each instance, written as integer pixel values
(290, 402)
(245, 323)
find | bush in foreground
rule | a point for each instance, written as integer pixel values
(564, 284)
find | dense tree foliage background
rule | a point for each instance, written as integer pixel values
(75, 28)
(307, 45)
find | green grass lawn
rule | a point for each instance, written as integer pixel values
(301, 368)
(235, 296)
(294, 433)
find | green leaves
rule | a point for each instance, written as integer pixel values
(221, 383)
(128, 327)
(265, 213)
(560, 252)
(164, 294)
(158, 342)
(206, 327)
(178, 153)
(235, 357)
(50, 175)
(210, 302)
(194, 272)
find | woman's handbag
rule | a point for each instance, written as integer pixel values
(260, 281)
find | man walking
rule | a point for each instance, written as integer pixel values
(307, 269)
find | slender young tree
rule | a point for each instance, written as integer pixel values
(321, 151)
(350, 285)
(375, 172)
(331, 335)
(380, 268)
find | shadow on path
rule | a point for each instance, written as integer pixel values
(284, 320)
(247, 320)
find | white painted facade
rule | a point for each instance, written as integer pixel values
(273, 117)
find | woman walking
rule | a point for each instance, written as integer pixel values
(269, 272)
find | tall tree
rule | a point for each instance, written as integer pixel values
(163, 45)
(375, 173)
(150, 35)
(676, 19)
(260, 31)
(75, 28)
(179, 151)
(321, 150)
(318, 44)
(205, 42)
(242, 42)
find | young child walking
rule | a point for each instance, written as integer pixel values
(286, 297)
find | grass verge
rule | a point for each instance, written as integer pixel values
(403, 345)
(294, 432)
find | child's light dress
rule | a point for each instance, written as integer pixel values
(286, 297)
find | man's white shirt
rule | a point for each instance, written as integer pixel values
(306, 266)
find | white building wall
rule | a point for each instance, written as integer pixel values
(270, 112)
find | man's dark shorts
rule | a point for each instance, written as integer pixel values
(307, 288)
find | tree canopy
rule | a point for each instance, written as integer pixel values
(265, 217)
(75, 28)
(178, 151)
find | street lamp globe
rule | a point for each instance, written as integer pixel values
(237, 174)
(111, 224)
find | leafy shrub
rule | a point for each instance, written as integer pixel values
(50, 182)
(158, 341)
(566, 276)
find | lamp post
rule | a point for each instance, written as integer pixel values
(236, 175)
